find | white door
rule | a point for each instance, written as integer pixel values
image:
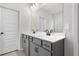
(9, 20)
(1, 40)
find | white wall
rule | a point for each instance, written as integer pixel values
(25, 16)
(71, 29)
(68, 16)
(78, 28)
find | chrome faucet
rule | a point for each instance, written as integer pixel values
(34, 30)
(48, 32)
(51, 31)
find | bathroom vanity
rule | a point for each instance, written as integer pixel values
(42, 22)
(42, 45)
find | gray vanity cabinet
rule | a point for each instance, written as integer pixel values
(36, 50)
(25, 44)
(43, 52)
(37, 47)
(22, 36)
(37, 41)
(33, 49)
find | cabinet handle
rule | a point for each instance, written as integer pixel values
(46, 45)
(52, 53)
(36, 49)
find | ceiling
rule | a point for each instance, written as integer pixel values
(48, 7)
(15, 6)
(52, 7)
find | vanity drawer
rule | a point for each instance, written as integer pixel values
(22, 35)
(46, 45)
(37, 41)
(30, 38)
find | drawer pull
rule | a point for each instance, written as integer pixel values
(46, 45)
(36, 49)
(24, 41)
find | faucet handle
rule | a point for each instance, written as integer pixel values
(51, 30)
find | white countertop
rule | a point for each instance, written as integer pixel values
(42, 35)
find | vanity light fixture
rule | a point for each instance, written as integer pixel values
(34, 6)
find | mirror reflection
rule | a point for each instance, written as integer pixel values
(47, 17)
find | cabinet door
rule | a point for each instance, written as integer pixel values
(58, 48)
(24, 43)
(37, 41)
(43, 52)
(27, 47)
(21, 40)
(33, 49)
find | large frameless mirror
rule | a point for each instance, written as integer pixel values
(47, 16)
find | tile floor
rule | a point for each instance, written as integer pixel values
(14, 53)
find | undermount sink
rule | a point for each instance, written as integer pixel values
(52, 35)
(40, 33)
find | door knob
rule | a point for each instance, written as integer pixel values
(2, 33)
